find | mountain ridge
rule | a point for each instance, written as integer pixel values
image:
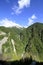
(22, 42)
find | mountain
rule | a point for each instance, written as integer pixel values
(17, 43)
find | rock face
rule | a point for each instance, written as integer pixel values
(2, 33)
(3, 41)
(13, 43)
(18, 43)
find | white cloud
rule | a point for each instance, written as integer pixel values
(31, 20)
(33, 17)
(8, 23)
(21, 5)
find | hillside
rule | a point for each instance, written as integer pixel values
(17, 43)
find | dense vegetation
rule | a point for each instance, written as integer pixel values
(28, 42)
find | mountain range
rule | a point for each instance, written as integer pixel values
(17, 43)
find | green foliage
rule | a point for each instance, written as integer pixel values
(28, 41)
(1, 37)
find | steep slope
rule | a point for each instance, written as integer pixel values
(22, 42)
(32, 39)
(35, 41)
(13, 47)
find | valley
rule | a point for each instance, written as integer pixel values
(17, 43)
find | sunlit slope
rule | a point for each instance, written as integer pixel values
(17, 43)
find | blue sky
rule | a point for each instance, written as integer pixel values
(20, 12)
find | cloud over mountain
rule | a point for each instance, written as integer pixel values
(8, 23)
(31, 19)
